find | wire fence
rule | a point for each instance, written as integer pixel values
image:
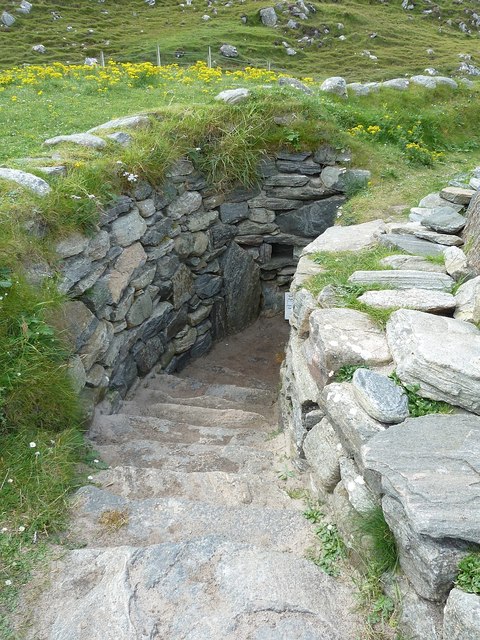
(160, 57)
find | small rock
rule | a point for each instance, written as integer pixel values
(7, 19)
(268, 16)
(229, 51)
(233, 96)
(399, 84)
(127, 122)
(381, 398)
(468, 301)
(335, 84)
(296, 84)
(39, 48)
(456, 264)
(444, 220)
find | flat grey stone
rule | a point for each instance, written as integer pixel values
(440, 354)
(231, 212)
(71, 246)
(121, 137)
(127, 122)
(411, 244)
(419, 231)
(399, 84)
(444, 220)
(27, 180)
(303, 305)
(413, 263)
(462, 616)
(312, 219)
(286, 180)
(381, 398)
(352, 238)
(419, 299)
(128, 229)
(81, 139)
(233, 96)
(185, 204)
(457, 195)
(296, 84)
(341, 337)
(417, 214)
(404, 279)
(430, 465)
(140, 310)
(434, 200)
(468, 301)
(323, 450)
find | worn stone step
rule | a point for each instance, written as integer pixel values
(200, 416)
(208, 486)
(187, 457)
(187, 387)
(203, 589)
(154, 396)
(120, 428)
(209, 373)
(411, 244)
(157, 520)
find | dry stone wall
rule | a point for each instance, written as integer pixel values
(357, 439)
(170, 270)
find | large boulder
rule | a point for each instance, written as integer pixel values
(268, 16)
(441, 355)
(336, 85)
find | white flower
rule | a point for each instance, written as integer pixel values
(21, 529)
(10, 480)
(90, 478)
(4, 529)
(131, 177)
(75, 197)
(32, 445)
(96, 461)
(37, 453)
(8, 583)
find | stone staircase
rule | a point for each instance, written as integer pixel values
(190, 534)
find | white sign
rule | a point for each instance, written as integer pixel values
(288, 305)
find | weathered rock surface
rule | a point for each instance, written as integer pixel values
(413, 263)
(420, 299)
(468, 301)
(359, 495)
(457, 195)
(446, 369)
(411, 244)
(353, 238)
(127, 122)
(444, 220)
(403, 279)
(81, 139)
(430, 466)
(462, 616)
(323, 451)
(336, 85)
(28, 180)
(233, 96)
(341, 337)
(381, 398)
(456, 264)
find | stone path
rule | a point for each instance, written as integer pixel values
(190, 534)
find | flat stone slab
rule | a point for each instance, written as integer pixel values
(25, 179)
(404, 279)
(419, 231)
(127, 122)
(431, 465)
(440, 354)
(457, 195)
(411, 244)
(420, 299)
(412, 263)
(81, 139)
(341, 337)
(462, 616)
(436, 200)
(353, 238)
(233, 96)
(381, 398)
(223, 589)
(444, 220)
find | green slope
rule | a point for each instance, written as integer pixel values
(130, 30)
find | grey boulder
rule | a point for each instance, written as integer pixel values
(28, 180)
(444, 220)
(462, 616)
(381, 398)
(81, 139)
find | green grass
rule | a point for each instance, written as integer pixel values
(468, 578)
(331, 549)
(131, 31)
(417, 405)
(345, 373)
(381, 541)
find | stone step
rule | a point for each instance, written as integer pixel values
(209, 373)
(203, 589)
(187, 387)
(119, 428)
(171, 519)
(137, 483)
(403, 279)
(154, 396)
(187, 457)
(411, 244)
(420, 299)
(200, 416)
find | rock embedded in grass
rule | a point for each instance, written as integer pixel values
(27, 180)
(233, 96)
(415, 298)
(81, 139)
(336, 85)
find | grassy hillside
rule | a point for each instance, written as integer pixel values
(131, 30)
